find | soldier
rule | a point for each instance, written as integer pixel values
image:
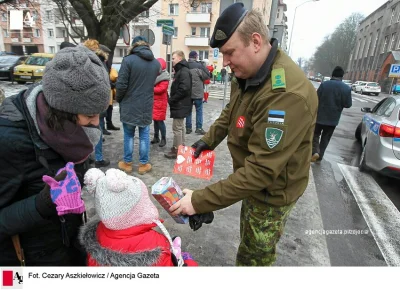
(270, 123)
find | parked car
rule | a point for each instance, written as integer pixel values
(368, 88)
(33, 68)
(7, 53)
(7, 64)
(347, 82)
(396, 89)
(353, 86)
(326, 79)
(379, 134)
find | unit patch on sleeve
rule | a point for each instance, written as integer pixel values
(276, 117)
(273, 136)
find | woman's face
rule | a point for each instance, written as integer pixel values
(87, 120)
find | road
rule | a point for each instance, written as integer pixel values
(333, 223)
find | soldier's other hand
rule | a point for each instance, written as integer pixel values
(197, 220)
(200, 146)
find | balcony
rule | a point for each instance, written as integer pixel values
(194, 17)
(194, 40)
(27, 39)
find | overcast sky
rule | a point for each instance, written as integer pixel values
(315, 20)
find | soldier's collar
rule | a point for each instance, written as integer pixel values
(264, 72)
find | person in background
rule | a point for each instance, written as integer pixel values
(180, 101)
(199, 74)
(333, 96)
(160, 104)
(135, 94)
(207, 82)
(43, 128)
(223, 75)
(215, 73)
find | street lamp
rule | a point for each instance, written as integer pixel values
(294, 18)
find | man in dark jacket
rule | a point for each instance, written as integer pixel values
(135, 93)
(180, 102)
(199, 75)
(223, 75)
(333, 95)
(41, 129)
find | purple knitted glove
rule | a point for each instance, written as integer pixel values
(66, 194)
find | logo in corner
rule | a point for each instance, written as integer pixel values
(11, 279)
(273, 136)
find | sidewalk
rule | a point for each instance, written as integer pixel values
(216, 244)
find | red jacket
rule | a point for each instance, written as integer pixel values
(160, 94)
(135, 246)
(210, 69)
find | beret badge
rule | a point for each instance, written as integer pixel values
(220, 35)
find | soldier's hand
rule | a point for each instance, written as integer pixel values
(200, 146)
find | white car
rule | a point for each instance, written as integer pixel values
(347, 82)
(353, 86)
(368, 88)
(326, 79)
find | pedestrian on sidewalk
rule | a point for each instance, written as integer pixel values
(135, 93)
(269, 122)
(207, 82)
(215, 74)
(43, 128)
(333, 96)
(160, 104)
(199, 74)
(180, 101)
(223, 75)
(124, 234)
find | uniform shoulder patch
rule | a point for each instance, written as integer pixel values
(273, 136)
(278, 78)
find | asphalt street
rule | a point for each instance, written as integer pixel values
(334, 223)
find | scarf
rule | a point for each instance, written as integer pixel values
(75, 143)
(163, 76)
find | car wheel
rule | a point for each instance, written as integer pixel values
(362, 166)
(361, 92)
(21, 82)
(376, 94)
(358, 132)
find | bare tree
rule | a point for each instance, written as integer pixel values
(336, 48)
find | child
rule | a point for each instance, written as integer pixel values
(124, 236)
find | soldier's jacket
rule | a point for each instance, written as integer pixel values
(270, 123)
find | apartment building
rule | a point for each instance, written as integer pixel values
(280, 26)
(29, 39)
(377, 46)
(195, 24)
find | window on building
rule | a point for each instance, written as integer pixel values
(194, 8)
(392, 41)
(206, 7)
(369, 44)
(176, 32)
(360, 49)
(385, 44)
(64, 33)
(52, 49)
(49, 16)
(193, 30)
(398, 17)
(3, 16)
(123, 52)
(376, 42)
(145, 14)
(203, 54)
(204, 31)
(6, 33)
(364, 47)
(392, 16)
(37, 32)
(50, 33)
(35, 15)
(173, 9)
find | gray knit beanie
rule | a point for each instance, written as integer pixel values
(76, 82)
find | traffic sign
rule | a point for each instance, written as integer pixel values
(168, 30)
(167, 22)
(216, 53)
(394, 71)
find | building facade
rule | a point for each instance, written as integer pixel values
(377, 46)
(27, 40)
(280, 27)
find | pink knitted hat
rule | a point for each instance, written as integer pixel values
(121, 201)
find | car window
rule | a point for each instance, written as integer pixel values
(37, 60)
(8, 60)
(387, 108)
(373, 85)
(378, 106)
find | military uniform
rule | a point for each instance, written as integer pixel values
(270, 123)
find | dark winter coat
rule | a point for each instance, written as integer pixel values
(180, 101)
(333, 96)
(199, 74)
(24, 159)
(161, 94)
(135, 86)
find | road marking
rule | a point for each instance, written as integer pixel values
(360, 100)
(382, 217)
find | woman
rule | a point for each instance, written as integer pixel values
(160, 104)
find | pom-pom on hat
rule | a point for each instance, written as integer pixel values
(121, 201)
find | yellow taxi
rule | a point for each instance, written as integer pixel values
(33, 68)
